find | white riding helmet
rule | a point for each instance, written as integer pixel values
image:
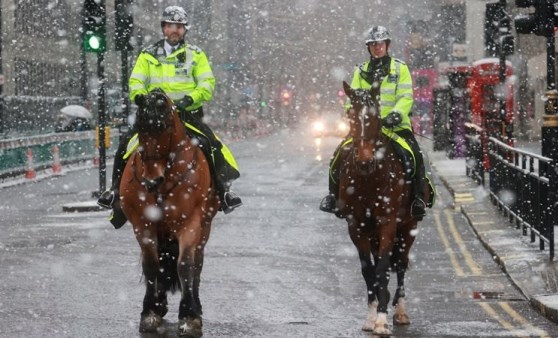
(377, 33)
(175, 14)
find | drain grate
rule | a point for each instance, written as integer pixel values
(493, 295)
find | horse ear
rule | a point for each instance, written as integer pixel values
(139, 100)
(347, 89)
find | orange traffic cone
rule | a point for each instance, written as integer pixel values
(56, 166)
(30, 172)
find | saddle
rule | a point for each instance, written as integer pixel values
(407, 158)
(227, 171)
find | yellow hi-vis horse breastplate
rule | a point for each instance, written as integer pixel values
(229, 157)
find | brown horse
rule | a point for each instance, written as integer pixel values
(375, 198)
(167, 195)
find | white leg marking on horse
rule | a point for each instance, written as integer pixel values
(372, 315)
(184, 327)
(381, 327)
(400, 316)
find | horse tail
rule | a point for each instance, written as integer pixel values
(168, 258)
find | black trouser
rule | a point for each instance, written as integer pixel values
(221, 171)
(419, 179)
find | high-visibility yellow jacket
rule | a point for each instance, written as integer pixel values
(396, 91)
(185, 72)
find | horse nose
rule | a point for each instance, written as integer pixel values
(152, 185)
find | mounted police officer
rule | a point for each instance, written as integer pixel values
(183, 72)
(396, 101)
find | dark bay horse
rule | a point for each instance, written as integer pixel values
(375, 199)
(168, 197)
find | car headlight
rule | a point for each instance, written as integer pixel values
(342, 126)
(318, 126)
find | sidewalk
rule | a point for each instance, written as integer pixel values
(528, 268)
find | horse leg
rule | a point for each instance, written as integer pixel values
(400, 260)
(197, 277)
(189, 314)
(150, 319)
(381, 326)
(167, 278)
(362, 244)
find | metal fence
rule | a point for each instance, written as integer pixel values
(519, 184)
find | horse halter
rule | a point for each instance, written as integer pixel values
(155, 119)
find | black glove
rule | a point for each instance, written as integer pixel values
(139, 100)
(185, 102)
(393, 119)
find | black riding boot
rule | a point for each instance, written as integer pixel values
(418, 207)
(329, 203)
(223, 174)
(110, 198)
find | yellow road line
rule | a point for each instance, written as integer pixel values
(475, 269)
(520, 319)
(449, 250)
(492, 313)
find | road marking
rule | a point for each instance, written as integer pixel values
(492, 313)
(475, 269)
(519, 318)
(453, 259)
(483, 222)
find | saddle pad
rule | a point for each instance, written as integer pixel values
(192, 131)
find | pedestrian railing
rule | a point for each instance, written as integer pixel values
(520, 185)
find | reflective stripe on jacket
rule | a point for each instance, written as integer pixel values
(396, 91)
(185, 72)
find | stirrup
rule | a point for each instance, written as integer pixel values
(329, 204)
(106, 200)
(230, 202)
(117, 217)
(418, 208)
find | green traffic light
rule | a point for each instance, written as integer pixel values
(94, 42)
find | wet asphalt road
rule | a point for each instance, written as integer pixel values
(277, 267)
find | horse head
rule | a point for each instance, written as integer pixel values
(366, 125)
(155, 123)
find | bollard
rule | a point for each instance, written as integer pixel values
(30, 172)
(56, 166)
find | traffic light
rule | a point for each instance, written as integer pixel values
(286, 95)
(93, 26)
(124, 23)
(541, 22)
(497, 30)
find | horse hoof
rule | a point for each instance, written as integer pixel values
(382, 330)
(401, 319)
(368, 326)
(150, 322)
(190, 327)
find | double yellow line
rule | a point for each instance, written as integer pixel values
(471, 268)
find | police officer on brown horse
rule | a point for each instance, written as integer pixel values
(183, 72)
(396, 101)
